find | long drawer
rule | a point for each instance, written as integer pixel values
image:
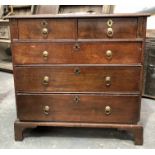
(78, 53)
(78, 78)
(79, 108)
(46, 29)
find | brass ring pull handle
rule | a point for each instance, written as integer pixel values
(76, 99)
(46, 110)
(44, 31)
(45, 54)
(109, 54)
(45, 80)
(77, 71)
(76, 47)
(107, 110)
(108, 81)
(110, 32)
(109, 23)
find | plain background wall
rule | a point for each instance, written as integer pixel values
(125, 8)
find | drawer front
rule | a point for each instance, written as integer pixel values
(77, 53)
(107, 28)
(77, 79)
(78, 108)
(46, 29)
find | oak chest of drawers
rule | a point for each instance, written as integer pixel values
(78, 71)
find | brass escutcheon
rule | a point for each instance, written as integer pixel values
(109, 23)
(77, 71)
(76, 99)
(76, 47)
(44, 23)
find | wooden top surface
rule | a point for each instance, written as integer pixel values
(70, 15)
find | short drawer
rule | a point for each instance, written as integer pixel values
(107, 28)
(46, 29)
(77, 79)
(78, 108)
(77, 53)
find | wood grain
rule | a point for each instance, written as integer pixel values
(82, 81)
(90, 108)
(85, 53)
(90, 79)
(57, 29)
(97, 28)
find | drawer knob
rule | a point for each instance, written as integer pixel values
(110, 32)
(77, 71)
(44, 31)
(45, 80)
(46, 110)
(108, 81)
(107, 110)
(109, 54)
(45, 54)
(76, 99)
(109, 23)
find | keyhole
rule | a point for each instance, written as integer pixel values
(76, 99)
(44, 23)
(77, 71)
(76, 47)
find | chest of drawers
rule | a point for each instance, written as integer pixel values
(78, 71)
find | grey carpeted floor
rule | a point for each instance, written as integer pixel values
(46, 137)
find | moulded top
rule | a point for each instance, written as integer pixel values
(79, 15)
